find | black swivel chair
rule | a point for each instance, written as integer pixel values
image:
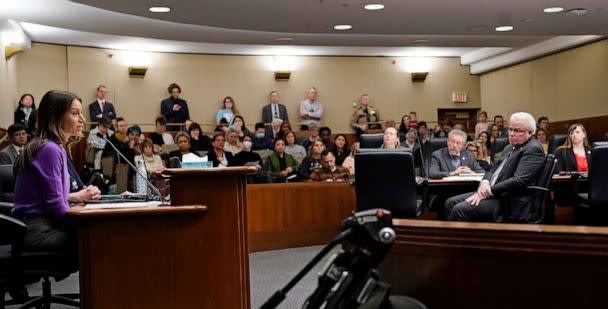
(599, 144)
(499, 145)
(555, 141)
(7, 188)
(10, 271)
(386, 179)
(431, 146)
(596, 199)
(371, 140)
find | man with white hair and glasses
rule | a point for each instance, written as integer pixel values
(520, 164)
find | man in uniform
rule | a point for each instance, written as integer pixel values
(365, 117)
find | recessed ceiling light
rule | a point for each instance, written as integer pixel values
(343, 27)
(577, 11)
(503, 28)
(554, 9)
(159, 9)
(374, 6)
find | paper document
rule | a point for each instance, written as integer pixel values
(464, 178)
(123, 205)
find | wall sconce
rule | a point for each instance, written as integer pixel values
(137, 71)
(282, 75)
(419, 76)
(13, 38)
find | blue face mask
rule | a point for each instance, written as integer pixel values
(259, 134)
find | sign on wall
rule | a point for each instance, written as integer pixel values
(459, 97)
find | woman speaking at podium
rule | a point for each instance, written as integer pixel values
(42, 179)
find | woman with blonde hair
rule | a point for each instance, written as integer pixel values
(481, 155)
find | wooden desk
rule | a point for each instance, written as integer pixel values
(145, 258)
(296, 214)
(485, 265)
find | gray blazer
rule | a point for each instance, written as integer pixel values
(8, 155)
(521, 170)
(441, 163)
(267, 113)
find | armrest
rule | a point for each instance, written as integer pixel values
(6, 208)
(11, 225)
(528, 188)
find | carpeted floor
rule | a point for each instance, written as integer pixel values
(269, 271)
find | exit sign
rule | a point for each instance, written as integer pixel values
(459, 97)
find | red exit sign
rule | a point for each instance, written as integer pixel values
(459, 97)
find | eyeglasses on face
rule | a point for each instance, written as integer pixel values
(517, 130)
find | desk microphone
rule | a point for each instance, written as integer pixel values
(159, 196)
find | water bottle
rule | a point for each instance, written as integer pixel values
(141, 185)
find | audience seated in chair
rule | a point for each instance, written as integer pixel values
(280, 165)
(153, 163)
(217, 155)
(453, 159)
(313, 134)
(238, 122)
(183, 144)
(391, 139)
(17, 136)
(198, 141)
(233, 145)
(298, 152)
(160, 136)
(260, 140)
(121, 141)
(329, 170)
(340, 148)
(349, 162)
(325, 135)
(541, 137)
(312, 161)
(96, 144)
(575, 153)
(480, 153)
(520, 164)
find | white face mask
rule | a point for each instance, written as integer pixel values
(259, 134)
(247, 145)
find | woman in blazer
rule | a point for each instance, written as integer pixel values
(25, 113)
(575, 153)
(279, 164)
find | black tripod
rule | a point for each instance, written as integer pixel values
(349, 279)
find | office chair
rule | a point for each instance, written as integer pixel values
(385, 178)
(7, 188)
(498, 146)
(10, 271)
(599, 144)
(431, 146)
(371, 140)
(596, 199)
(606, 137)
(555, 141)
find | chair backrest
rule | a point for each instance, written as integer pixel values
(371, 140)
(606, 136)
(11, 230)
(433, 144)
(598, 177)
(555, 141)
(543, 180)
(498, 146)
(598, 144)
(385, 178)
(7, 183)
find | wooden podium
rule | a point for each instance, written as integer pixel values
(177, 256)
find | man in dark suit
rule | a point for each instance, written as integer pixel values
(18, 138)
(453, 159)
(173, 108)
(520, 164)
(274, 110)
(101, 108)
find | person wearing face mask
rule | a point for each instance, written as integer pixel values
(260, 140)
(246, 155)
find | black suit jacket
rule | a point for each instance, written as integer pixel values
(441, 163)
(166, 109)
(524, 164)
(213, 158)
(96, 114)
(566, 161)
(267, 113)
(31, 124)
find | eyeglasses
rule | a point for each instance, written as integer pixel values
(516, 130)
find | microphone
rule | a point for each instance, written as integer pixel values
(145, 177)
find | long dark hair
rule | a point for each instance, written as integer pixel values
(53, 107)
(23, 97)
(335, 148)
(244, 127)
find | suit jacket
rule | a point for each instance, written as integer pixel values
(524, 164)
(166, 109)
(211, 156)
(96, 114)
(566, 161)
(273, 166)
(31, 124)
(441, 163)
(8, 155)
(267, 113)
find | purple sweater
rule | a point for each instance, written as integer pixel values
(43, 188)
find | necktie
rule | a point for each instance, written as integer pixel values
(275, 108)
(103, 104)
(499, 169)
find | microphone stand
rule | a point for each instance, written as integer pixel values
(426, 173)
(145, 177)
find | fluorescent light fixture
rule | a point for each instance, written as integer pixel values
(343, 27)
(554, 9)
(417, 64)
(374, 6)
(159, 9)
(503, 28)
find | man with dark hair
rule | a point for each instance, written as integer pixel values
(313, 134)
(174, 108)
(160, 136)
(325, 134)
(329, 171)
(121, 141)
(101, 108)
(423, 132)
(274, 110)
(96, 144)
(500, 122)
(543, 123)
(18, 138)
(260, 141)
